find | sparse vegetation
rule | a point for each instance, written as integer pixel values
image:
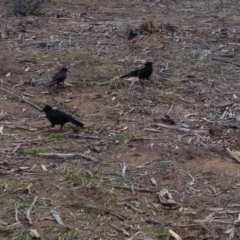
(32, 151)
(21, 236)
(85, 178)
(10, 187)
(128, 129)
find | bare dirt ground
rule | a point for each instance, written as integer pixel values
(195, 48)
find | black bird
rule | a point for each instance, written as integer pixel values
(142, 73)
(57, 117)
(132, 34)
(59, 77)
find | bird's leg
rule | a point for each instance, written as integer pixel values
(61, 128)
(142, 84)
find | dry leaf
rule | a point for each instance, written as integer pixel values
(155, 205)
(44, 168)
(26, 69)
(161, 46)
(4, 35)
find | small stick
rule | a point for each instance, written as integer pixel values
(21, 99)
(121, 230)
(91, 137)
(134, 208)
(30, 209)
(16, 148)
(104, 210)
(16, 214)
(175, 235)
(136, 189)
(177, 128)
(14, 225)
(68, 155)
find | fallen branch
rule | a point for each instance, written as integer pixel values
(21, 99)
(176, 128)
(226, 60)
(104, 210)
(30, 209)
(135, 189)
(68, 155)
(91, 137)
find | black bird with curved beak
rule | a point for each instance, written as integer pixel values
(141, 73)
(57, 117)
(59, 77)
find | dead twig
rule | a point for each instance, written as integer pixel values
(135, 189)
(104, 210)
(68, 155)
(176, 128)
(30, 209)
(121, 230)
(21, 99)
(175, 235)
(91, 137)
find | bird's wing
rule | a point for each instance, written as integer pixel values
(55, 113)
(57, 75)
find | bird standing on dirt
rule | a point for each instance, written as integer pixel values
(142, 73)
(59, 77)
(132, 34)
(57, 117)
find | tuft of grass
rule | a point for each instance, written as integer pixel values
(127, 98)
(89, 56)
(118, 84)
(155, 232)
(76, 129)
(69, 234)
(21, 236)
(85, 179)
(136, 155)
(10, 187)
(22, 205)
(172, 69)
(63, 233)
(192, 216)
(189, 156)
(172, 84)
(158, 97)
(31, 151)
(81, 218)
(56, 137)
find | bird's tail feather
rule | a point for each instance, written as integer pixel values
(52, 83)
(77, 123)
(127, 75)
